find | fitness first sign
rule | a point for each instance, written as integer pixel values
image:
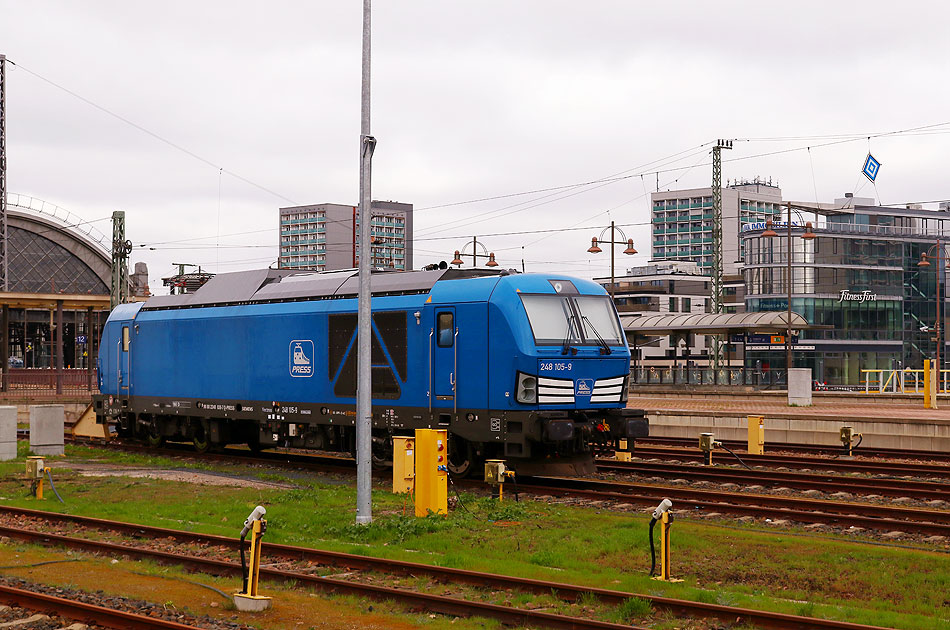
(862, 296)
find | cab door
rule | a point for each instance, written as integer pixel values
(124, 349)
(444, 349)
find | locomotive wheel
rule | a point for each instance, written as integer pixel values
(462, 456)
(382, 453)
(153, 439)
(151, 435)
(200, 440)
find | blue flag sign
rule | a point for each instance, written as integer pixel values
(871, 167)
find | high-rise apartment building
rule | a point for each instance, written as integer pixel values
(682, 222)
(324, 237)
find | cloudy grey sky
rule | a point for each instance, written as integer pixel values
(471, 100)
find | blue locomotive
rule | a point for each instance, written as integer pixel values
(526, 367)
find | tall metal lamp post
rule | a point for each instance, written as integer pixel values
(597, 241)
(808, 235)
(924, 262)
(475, 255)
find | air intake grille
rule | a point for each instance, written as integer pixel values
(555, 391)
(607, 390)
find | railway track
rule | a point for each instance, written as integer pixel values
(801, 462)
(819, 449)
(845, 514)
(36, 607)
(322, 463)
(837, 513)
(923, 490)
(436, 603)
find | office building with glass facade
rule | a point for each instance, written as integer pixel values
(859, 277)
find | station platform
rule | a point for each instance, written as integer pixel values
(886, 421)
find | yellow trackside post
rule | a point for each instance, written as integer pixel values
(248, 600)
(404, 465)
(706, 443)
(756, 435)
(934, 382)
(432, 473)
(666, 523)
(622, 454)
(35, 469)
(930, 389)
(255, 557)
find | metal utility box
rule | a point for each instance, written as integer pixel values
(622, 454)
(706, 444)
(847, 435)
(46, 429)
(494, 471)
(8, 418)
(432, 473)
(404, 465)
(756, 435)
(35, 467)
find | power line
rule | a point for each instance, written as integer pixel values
(557, 188)
(153, 134)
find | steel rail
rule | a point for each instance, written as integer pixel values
(436, 603)
(801, 510)
(887, 487)
(791, 461)
(822, 449)
(80, 611)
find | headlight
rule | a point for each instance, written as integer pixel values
(625, 392)
(527, 392)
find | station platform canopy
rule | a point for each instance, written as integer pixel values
(660, 324)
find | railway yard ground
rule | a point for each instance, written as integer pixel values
(589, 536)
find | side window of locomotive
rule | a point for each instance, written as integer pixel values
(125, 339)
(446, 329)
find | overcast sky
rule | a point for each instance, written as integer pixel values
(471, 100)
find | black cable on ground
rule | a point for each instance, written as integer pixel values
(457, 495)
(860, 439)
(38, 564)
(243, 565)
(181, 579)
(652, 549)
(50, 476)
(736, 456)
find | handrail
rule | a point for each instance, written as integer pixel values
(431, 333)
(876, 383)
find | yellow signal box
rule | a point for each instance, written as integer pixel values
(432, 473)
(404, 465)
(756, 435)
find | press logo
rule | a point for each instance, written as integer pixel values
(301, 358)
(583, 387)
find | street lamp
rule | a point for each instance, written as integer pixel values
(938, 246)
(595, 249)
(808, 235)
(475, 255)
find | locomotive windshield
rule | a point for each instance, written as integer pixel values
(552, 320)
(599, 319)
(577, 320)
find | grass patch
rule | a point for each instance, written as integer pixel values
(840, 579)
(631, 609)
